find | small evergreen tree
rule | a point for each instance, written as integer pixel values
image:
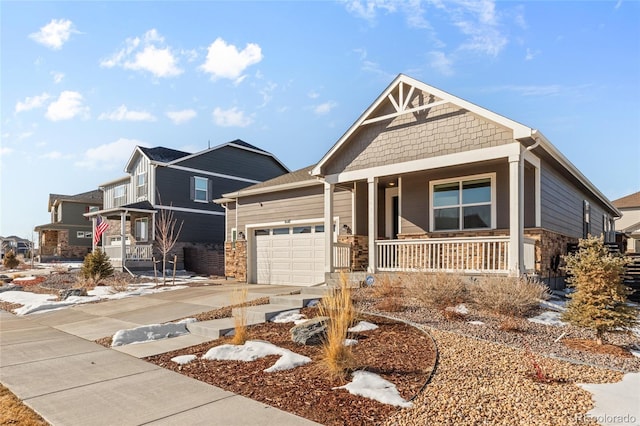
(600, 298)
(10, 260)
(96, 266)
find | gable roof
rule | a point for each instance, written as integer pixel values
(94, 196)
(628, 202)
(162, 154)
(405, 87)
(296, 179)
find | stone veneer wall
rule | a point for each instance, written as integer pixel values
(548, 244)
(235, 260)
(359, 250)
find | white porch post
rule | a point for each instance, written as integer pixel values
(516, 215)
(93, 234)
(372, 209)
(328, 227)
(123, 241)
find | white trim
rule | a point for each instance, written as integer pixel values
(519, 130)
(460, 179)
(286, 223)
(372, 228)
(187, 210)
(534, 160)
(268, 189)
(214, 174)
(476, 155)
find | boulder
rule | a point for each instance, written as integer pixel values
(310, 332)
(65, 294)
(10, 287)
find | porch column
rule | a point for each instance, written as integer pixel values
(372, 209)
(123, 241)
(328, 228)
(516, 215)
(93, 234)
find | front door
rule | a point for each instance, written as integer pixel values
(392, 213)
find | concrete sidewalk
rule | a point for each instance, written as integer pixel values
(51, 363)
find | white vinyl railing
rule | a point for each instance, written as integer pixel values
(341, 256)
(466, 255)
(136, 252)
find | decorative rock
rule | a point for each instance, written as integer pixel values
(5, 278)
(65, 294)
(310, 332)
(10, 287)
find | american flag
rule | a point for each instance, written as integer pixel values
(101, 226)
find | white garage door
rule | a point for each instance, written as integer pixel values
(290, 255)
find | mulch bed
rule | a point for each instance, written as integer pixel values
(399, 353)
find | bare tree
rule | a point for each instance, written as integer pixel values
(166, 236)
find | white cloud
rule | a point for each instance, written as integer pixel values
(67, 106)
(55, 155)
(109, 156)
(147, 54)
(267, 93)
(180, 117)
(441, 63)
(225, 61)
(54, 34)
(324, 108)
(313, 94)
(531, 54)
(368, 9)
(5, 151)
(32, 102)
(231, 118)
(24, 135)
(123, 114)
(57, 76)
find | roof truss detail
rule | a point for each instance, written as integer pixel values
(402, 104)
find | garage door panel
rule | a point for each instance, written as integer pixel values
(294, 258)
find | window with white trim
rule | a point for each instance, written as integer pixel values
(586, 216)
(200, 189)
(141, 185)
(466, 203)
(142, 229)
(120, 195)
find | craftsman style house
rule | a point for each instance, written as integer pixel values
(162, 179)
(422, 181)
(629, 224)
(69, 236)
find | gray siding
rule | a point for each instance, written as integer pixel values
(415, 194)
(233, 161)
(296, 204)
(443, 129)
(562, 205)
(200, 228)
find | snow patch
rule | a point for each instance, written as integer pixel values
(458, 309)
(255, 349)
(146, 333)
(288, 316)
(183, 359)
(476, 322)
(372, 386)
(548, 318)
(350, 342)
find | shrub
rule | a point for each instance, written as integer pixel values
(389, 293)
(510, 296)
(10, 260)
(600, 300)
(439, 290)
(96, 266)
(337, 358)
(119, 285)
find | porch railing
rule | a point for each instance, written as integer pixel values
(471, 255)
(341, 256)
(135, 252)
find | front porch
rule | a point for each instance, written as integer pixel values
(136, 257)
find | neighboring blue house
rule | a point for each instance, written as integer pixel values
(185, 184)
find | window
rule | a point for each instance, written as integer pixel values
(142, 229)
(200, 189)
(586, 214)
(280, 231)
(301, 229)
(120, 195)
(141, 185)
(80, 234)
(463, 204)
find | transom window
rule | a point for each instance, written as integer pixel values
(463, 203)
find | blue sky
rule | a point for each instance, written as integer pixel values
(82, 83)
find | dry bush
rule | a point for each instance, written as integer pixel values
(510, 296)
(15, 412)
(119, 285)
(389, 292)
(239, 297)
(86, 283)
(439, 290)
(338, 359)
